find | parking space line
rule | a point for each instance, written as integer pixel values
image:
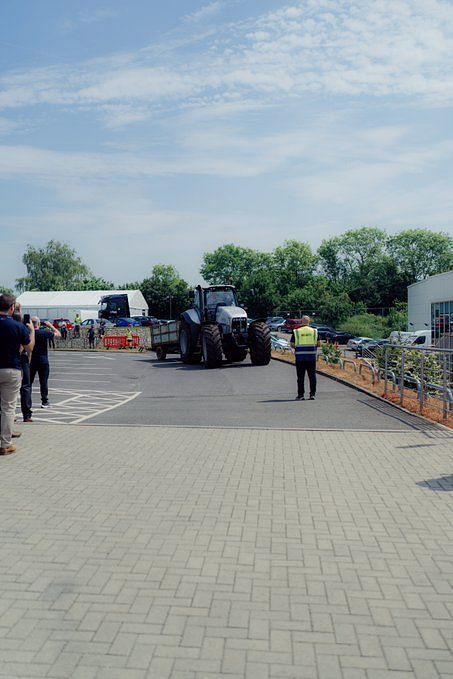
(100, 412)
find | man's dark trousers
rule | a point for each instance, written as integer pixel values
(303, 367)
(25, 387)
(42, 368)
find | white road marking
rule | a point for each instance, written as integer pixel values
(99, 412)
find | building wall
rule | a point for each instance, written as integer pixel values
(423, 294)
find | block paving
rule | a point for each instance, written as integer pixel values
(156, 552)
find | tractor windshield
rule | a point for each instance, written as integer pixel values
(224, 297)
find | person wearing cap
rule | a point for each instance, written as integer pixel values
(305, 342)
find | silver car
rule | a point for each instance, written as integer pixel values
(354, 343)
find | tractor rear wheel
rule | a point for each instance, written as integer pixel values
(260, 343)
(186, 345)
(211, 346)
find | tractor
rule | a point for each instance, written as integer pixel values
(217, 326)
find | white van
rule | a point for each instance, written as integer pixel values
(415, 337)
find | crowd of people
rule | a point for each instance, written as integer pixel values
(24, 345)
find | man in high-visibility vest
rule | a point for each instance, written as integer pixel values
(305, 343)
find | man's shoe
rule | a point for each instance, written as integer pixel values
(300, 398)
(8, 450)
(16, 434)
(28, 419)
(45, 405)
(312, 398)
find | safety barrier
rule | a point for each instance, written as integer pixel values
(120, 342)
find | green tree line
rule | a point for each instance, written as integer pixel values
(362, 269)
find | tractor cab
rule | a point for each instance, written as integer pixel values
(208, 300)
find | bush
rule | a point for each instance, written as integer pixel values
(331, 352)
(365, 325)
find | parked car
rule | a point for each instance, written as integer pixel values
(331, 335)
(365, 348)
(96, 321)
(146, 321)
(355, 342)
(275, 322)
(58, 321)
(125, 322)
(291, 324)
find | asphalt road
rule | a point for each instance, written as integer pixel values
(129, 389)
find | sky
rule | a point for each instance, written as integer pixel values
(146, 132)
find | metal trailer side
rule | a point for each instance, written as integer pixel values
(165, 339)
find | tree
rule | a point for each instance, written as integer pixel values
(6, 291)
(419, 253)
(294, 264)
(166, 293)
(355, 261)
(56, 266)
(250, 271)
(397, 317)
(94, 283)
(230, 264)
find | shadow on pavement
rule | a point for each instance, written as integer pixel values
(443, 484)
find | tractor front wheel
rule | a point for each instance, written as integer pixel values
(260, 343)
(211, 346)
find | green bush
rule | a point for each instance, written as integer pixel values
(365, 325)
(331, 352)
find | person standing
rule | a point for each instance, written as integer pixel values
(305, 343)
(40, 357)
(64, 330)
(91, 336)
(129, 337)
(77, 324)
(13, 337)
(25, 387)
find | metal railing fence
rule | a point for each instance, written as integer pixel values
(429, 371)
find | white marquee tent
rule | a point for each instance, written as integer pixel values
(65, 304)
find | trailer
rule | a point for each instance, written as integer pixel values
(165, 339)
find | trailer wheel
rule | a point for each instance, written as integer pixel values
(260, 343)
(211, 345)
(186, 345)
(235, 355)
(161, 354)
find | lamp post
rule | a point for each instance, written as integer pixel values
(169, 300)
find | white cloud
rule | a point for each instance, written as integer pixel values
(388, 48)
(90, 17)
(206, 11)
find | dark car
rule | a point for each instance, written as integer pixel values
(325, 332)
(125, 322)
(146, 321)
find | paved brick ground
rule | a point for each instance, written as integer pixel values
(133, 552)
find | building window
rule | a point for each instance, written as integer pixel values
(441, 319)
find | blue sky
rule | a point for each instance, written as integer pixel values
(145, 132)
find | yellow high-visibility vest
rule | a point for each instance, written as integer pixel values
(305, 343)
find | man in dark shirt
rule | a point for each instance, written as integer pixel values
(40, 357)
(13, 337)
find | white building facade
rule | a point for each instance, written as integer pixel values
(430, 305)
